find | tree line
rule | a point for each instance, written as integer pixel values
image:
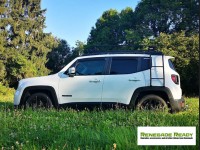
(171, 26)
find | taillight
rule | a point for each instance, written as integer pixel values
(175, 79)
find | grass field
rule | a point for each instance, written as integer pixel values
(89, 130)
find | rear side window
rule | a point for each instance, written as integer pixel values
(145, 63)
(123, 65)
(171, 65)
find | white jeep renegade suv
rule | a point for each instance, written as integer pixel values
(143, 80)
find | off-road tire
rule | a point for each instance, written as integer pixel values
(152, 102)
(38, 100)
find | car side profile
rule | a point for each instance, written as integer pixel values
(138, 80)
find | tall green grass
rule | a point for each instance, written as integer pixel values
(98, 129)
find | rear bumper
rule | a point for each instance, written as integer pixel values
(178, 105)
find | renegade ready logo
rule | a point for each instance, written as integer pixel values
(166, 135)
(174, 135)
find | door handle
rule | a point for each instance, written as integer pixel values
(135, 80)
(95, 80)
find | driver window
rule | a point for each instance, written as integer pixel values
(90, 67)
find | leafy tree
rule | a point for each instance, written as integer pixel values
(3, 13)
(167, 16)
(24, 45)
(63, 54)
(18, 67)
(185, 49)
(78, 50)
(127, 29)
(110, 31)
(106, 32)
(58, 56)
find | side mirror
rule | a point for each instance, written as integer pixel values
(72, 71)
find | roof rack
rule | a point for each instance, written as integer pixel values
(95, 52)
(124, 52)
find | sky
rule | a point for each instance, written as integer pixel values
(72, 20)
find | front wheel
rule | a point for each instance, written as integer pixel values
(152, 102)
(38, 100)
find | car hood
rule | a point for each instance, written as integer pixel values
(35, 81)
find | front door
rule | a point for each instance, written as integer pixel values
(86, 85)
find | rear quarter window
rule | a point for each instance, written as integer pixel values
(171, 65)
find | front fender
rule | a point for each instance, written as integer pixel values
(46, 89)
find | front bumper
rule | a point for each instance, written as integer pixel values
(178, 105)
(17, 97)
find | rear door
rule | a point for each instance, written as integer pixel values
(123, 78)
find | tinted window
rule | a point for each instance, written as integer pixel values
(90, 66)
(123, 65)
(171, 64)
(145, 63)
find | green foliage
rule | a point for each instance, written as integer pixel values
(110, 30)
(23, 45)
(2, 7)
(62, 54)
(103, 33)
(150, 18)
(185, 49)
(167, 16)
(18, 66)
(3, 89)
(70, 129)
(6, 92)
(79, 49)
(2, 71)
(58, 57)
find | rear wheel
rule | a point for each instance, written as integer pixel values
(38, 100)
(152, 102)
